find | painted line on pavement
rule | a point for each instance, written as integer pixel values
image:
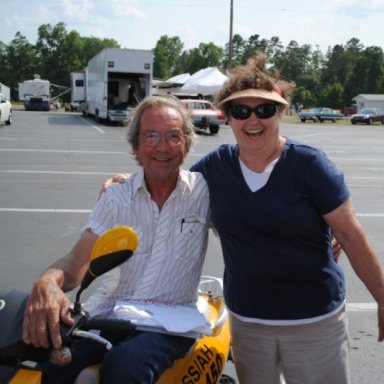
(361, 307)
(47, 210)
(92, 125)
(60, 151)
(43, 210)
(57, 172)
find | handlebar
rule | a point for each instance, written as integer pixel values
(108, 325)
(84, 328)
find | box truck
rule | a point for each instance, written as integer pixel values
(115, 81)
(35, 94)
(5, 91)
(78, 91)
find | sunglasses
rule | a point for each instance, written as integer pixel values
(262, 111)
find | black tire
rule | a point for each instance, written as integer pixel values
(225, 379)
(9, 121)
(214, 129)
(302, 120)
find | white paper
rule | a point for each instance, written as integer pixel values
(172, 318)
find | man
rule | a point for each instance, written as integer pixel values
(169, 210)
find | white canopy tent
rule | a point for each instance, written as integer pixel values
(206, 82)
(172, 85)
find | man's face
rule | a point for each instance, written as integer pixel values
(161, 149)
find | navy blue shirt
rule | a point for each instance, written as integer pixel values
(277, 247)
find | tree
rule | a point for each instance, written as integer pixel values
(253, 46)
(87, 47)
(332, 95)
(293, 62)
(19, 63)
(166, 56)
(303, 96)
(206, 55)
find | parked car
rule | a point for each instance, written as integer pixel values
(5, 110)
(320, 114)
(204, 114)
(368, 116)
(119, 113)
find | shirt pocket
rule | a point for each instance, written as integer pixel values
(191, 232)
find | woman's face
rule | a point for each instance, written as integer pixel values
(254, 133)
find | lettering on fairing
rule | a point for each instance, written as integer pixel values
(206, 367)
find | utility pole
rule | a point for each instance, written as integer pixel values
(230, 46)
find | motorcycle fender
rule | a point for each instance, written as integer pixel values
(27, 376)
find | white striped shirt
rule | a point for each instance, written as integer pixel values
(167, 264)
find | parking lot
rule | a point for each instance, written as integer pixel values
(52, 165)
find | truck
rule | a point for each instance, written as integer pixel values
(116, 80)
(5, 91)
(78, 91)
(35, 94)
(350, 110)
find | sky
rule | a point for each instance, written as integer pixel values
(139, 24)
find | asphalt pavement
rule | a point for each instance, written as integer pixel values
(52, 165)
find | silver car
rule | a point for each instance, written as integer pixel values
(119, 113)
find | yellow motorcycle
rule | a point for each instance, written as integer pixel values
(203, 364)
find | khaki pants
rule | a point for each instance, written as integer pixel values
(316, 353)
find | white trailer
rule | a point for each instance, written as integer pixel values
(35, 94)
(78, 90)
(5, 91)
(115, 80)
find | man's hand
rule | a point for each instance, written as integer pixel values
(47, 306)
(119, 178)
(336, 249)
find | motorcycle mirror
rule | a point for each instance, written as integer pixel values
(111, 249)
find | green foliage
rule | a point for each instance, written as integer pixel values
(55, 55)
(332, 95)
(303, 96)
(166, 54)
(329, 79)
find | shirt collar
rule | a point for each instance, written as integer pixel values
(183, 182)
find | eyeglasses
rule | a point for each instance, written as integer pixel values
(262, 111)
(173, 138)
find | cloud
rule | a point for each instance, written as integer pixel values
(127, 8)
(78, 10)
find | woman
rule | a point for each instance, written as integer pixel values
(275, 203)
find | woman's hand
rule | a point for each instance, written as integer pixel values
(119, 178)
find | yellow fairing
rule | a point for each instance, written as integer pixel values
(203, 364)
(26, 376)
(114, 240)
(206, 360)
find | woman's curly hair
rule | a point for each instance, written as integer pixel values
(253, 75)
